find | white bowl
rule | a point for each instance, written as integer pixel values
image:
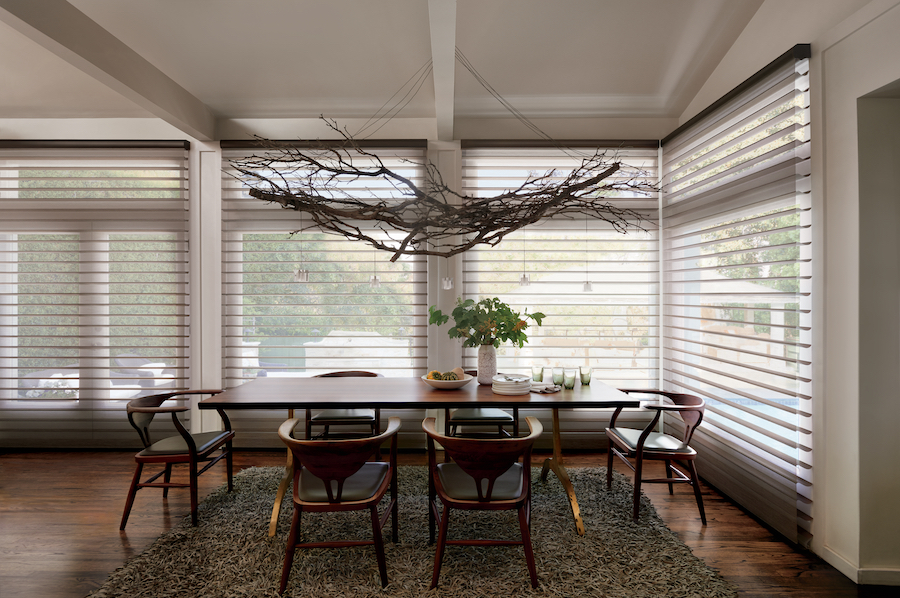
(449, 384)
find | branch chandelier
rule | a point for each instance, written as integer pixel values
(330, 182)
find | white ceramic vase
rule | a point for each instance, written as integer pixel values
(487, 364)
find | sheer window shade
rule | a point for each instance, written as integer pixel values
(613, 327)
(93, 288)
(736, 326)
(339, 320)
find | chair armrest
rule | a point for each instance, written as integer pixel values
(659, 407)
(162, 409)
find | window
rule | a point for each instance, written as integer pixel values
(339, 319)
(612, 325)
(736, 327)
(93, 280)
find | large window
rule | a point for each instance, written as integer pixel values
(93, 289)
(357, 310)
(598, 287)
(736, 326)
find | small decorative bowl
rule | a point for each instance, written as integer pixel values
(449, 384)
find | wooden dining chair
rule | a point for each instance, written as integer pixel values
(483, 474)
(337, 475)
(370, 418)
(467, 417)
(628, 443)
(187, 448)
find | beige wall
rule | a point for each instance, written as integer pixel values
(860, 511)
(879, 322)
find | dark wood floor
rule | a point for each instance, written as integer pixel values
(60, 512)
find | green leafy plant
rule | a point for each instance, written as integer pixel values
(487, 322)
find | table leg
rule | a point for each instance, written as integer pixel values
(283, 485)
(556, 464)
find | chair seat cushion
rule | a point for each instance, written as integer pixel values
(656, 442)
(461, 486)
(175, 445)
(349, 415)
(480, 415)
(361, 485)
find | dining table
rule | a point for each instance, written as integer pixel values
(387, 393)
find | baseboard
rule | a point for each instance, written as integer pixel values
(879, 577)
(837, 561)
(862, 576)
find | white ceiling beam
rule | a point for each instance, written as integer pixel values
(442, 22)
(70, 34)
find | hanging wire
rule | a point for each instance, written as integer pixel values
(388, 111)
(588, 287)
(512, 109)
(417, 79)
(302, 274)
(374, 281)
(525, 280)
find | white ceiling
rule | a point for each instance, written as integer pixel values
(200, 63)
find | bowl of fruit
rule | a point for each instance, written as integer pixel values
(453, 379)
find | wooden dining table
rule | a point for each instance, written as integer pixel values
(289, 393)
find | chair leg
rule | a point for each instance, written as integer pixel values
(229, 464)
(670, 474)
(432, 506)
(131, 492)
(526, 544)
(439, 550)
(194, 497)
(289, 550)
(379, 545)
(695, 482)
(638, 466)
(609, 467)
(167, 478)
(395, 510)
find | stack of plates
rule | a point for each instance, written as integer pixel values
(511, 385)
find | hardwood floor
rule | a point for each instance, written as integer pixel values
(60, 513)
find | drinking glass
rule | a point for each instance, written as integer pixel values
(569, 378)
(557, 375)
(585, 375)
(537, 373)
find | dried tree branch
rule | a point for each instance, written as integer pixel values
(327, 183)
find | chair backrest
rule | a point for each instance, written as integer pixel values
(142, 410)
(349, 374)
(690, 417)
(484, 459)
(691, 409)
(333, 461)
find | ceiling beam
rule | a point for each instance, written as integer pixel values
(442, 22)
(70, 34)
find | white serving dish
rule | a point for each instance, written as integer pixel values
(449, 384)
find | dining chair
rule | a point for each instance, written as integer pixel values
(456, 419)
(338, 475)
(484, 474)
(646, 444)
(344, 417)
(187, 448)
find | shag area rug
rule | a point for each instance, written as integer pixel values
(231, 555)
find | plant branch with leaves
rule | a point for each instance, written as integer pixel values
(487, 322)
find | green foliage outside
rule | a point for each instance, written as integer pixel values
(59, 274)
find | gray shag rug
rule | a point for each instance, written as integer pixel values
(231, 555)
